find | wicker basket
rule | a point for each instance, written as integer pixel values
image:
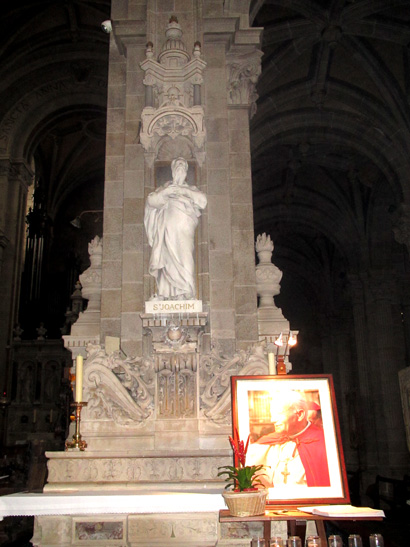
(246, 504)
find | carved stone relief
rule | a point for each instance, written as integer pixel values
(173, 105)
(125, 470)
(215, 374)
(178, 529)
(244, 69)
(122, 390)
(177, 387)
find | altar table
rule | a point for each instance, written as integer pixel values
(89, 503)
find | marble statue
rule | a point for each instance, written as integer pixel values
(171, 217)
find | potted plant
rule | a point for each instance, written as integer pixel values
(247, 496)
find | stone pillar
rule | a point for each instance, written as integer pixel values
(174, 393)
(338, 360)
(379, 362)
(15, 177)
(361, 392)
(122, 274)
(230, 98)
(388, 361)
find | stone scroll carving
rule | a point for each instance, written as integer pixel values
(244, 69)
(117, 389)
(216, 372)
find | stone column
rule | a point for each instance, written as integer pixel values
(338, 360)
(122, 274)
(361, 393)
(388, 361)
(14, 181)
(230, 98)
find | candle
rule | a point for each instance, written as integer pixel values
(272, 364)
(79, 379)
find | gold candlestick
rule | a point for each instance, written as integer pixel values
(77, 442)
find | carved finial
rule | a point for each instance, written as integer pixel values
(95, 245)
(173, 52)
(268, 276)
(17, 332)
(264, 243)
(41, 332)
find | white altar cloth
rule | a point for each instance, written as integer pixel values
(90, 503)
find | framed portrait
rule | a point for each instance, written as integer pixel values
(293, 430)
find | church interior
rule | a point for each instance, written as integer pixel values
(312, 117)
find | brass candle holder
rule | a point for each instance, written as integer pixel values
(77, 442)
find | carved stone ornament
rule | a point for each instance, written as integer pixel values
(268, 275)
(215, 379)
(118, 389)
(87, 327)
(131, 469)
(173, 105)
(244, 69)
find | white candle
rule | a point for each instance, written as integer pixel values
(79, 379)
(272, 363)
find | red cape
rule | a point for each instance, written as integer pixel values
(312, 452)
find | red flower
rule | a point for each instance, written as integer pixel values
(238, 447)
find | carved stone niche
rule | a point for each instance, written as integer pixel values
(173, 95)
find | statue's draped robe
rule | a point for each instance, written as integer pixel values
(170, 225)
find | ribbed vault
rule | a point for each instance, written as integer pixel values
(330, 147)
(53, 89)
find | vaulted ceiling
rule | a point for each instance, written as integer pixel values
(330, 145)
(330, 138)
(53, 87)
(53, 94)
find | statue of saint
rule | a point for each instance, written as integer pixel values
(171, 217)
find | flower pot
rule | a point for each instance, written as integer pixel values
(246, 504)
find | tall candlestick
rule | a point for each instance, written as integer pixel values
(272, 363)
(79, 379)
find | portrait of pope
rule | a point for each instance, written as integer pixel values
(294, 450)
